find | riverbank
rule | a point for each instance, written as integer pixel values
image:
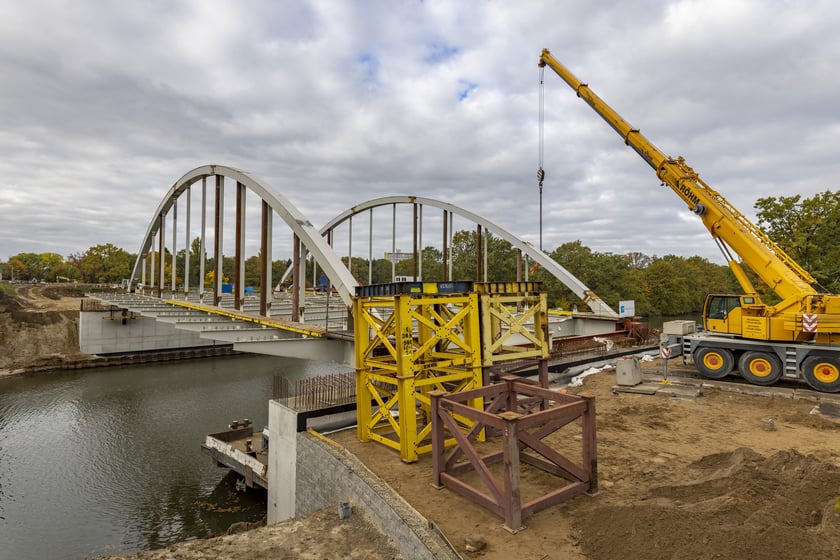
(39, 330)
(38, 327)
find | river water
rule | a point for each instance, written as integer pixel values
(108, 461)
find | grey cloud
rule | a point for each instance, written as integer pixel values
(334, 104)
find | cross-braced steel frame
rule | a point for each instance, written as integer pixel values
(407, 346)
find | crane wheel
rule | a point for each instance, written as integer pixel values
(822, 373)
(714, 363)
(760, 368)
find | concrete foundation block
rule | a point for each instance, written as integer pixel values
(628, 371)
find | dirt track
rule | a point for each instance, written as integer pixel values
(723, 476)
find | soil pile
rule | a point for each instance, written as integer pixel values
(319, 535)
(737, 504)
(38, 327)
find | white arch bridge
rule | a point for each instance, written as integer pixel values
(263, 320)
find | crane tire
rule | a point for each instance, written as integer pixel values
(714, 363)
(760, 368)
(822, 373)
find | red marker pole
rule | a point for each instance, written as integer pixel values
(665, 352)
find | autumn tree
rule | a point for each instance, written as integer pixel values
(41, 266)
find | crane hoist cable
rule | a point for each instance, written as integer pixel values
(540, 170)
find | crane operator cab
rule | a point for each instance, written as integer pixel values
(724, 313)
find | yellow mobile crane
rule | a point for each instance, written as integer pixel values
(799, 337)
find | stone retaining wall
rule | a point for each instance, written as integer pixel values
(325, 475)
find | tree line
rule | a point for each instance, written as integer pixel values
(667, 285)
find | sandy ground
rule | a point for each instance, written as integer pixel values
(322, 535)
(724, 475)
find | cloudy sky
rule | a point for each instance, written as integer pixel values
(104, 105)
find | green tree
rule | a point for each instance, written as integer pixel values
(195, 262)
(251, 272)
(381, 271)
(667, 293)
(67, 270)
(404, 268)
(50, 265)
(807, 230)
(37, 266)
(501, 259)
(432, 264)
(105, 263)
(358, 268)
(463, 255)
(605, 274)
(17, 269)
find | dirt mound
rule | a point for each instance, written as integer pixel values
(38, 327)
(781, 506)
(321, 534)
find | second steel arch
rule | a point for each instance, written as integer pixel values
(595, 303)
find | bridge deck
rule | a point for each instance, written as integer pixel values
(275, 322)
(191, 314)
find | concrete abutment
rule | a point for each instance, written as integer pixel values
(308, 472)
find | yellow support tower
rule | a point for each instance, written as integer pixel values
(514, 321)
(407, 345)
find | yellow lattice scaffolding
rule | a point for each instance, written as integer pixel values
(408, 345)
(514, 321)
(415, 338)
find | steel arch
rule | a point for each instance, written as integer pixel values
(310, 237)
(595, 303)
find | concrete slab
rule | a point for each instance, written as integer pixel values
(685, 392)
(830, 411)
(645, 388)
(674, 389)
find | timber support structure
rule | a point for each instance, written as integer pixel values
(523, 432)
